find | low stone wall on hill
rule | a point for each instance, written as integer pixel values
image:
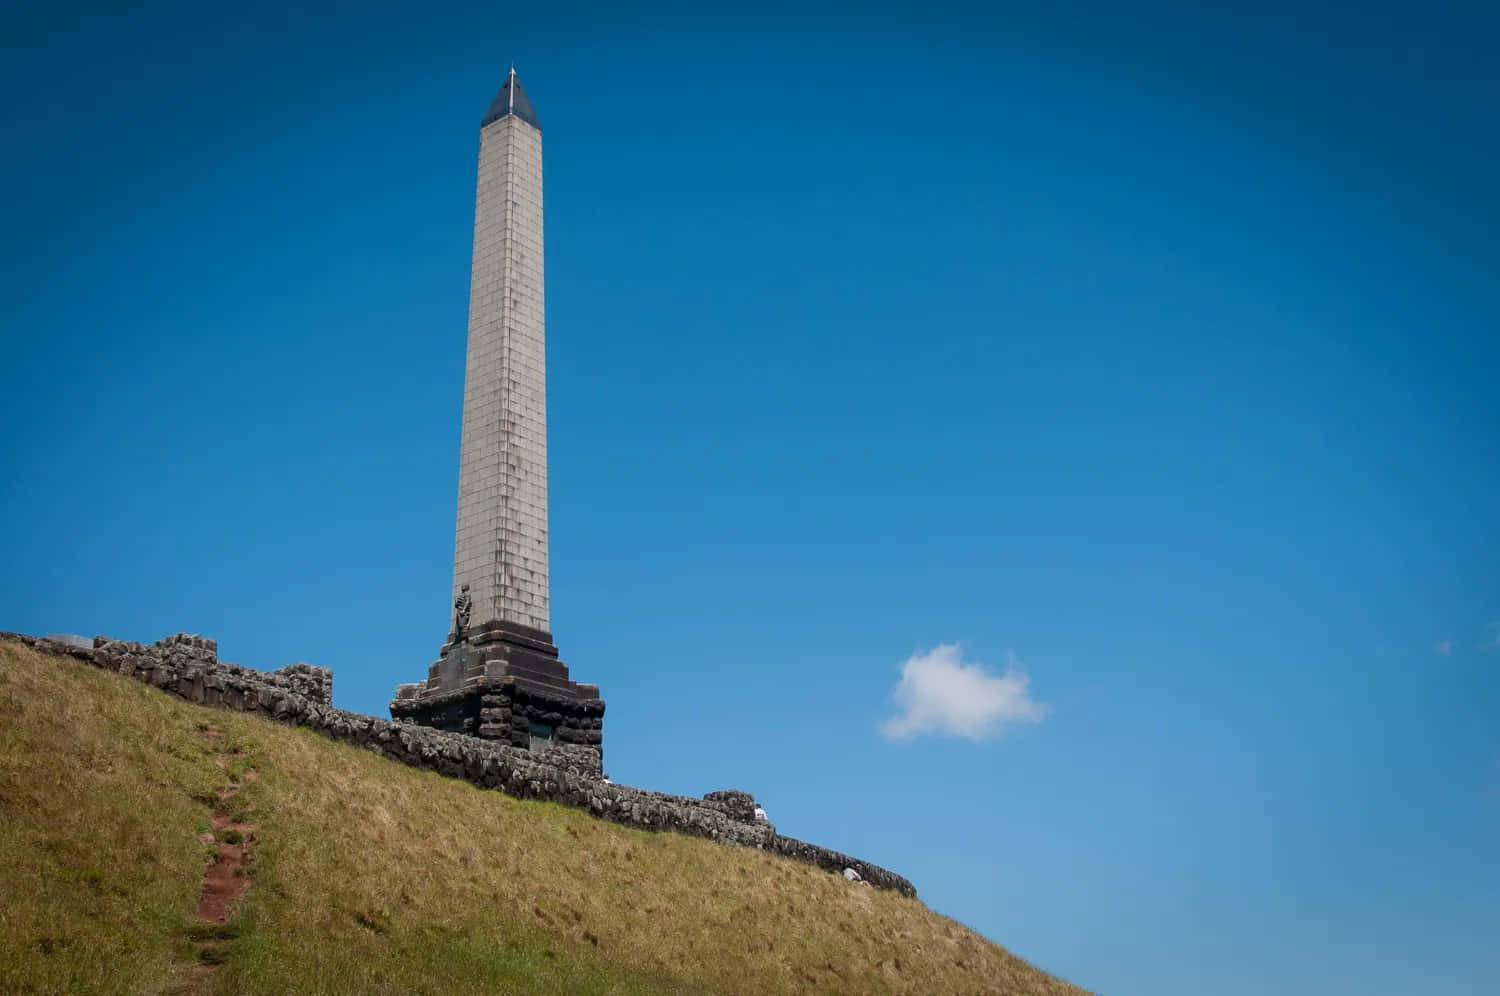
(301, 695)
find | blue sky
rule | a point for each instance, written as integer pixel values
(1148, 357)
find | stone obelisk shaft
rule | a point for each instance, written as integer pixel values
(500, 550)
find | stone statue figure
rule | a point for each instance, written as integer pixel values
(461, 606)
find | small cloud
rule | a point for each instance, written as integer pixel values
(1444, 648)
(941, 694)
(1491, 639)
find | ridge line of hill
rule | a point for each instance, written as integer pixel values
(370, 877)
(188, 667)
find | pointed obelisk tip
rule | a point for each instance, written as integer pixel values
(512, 100)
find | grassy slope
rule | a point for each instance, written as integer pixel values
(371, 876)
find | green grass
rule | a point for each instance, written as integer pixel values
(373, 877)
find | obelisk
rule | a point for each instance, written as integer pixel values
(498, 675)
(500, 549)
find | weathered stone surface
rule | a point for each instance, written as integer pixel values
(494, 704)
(739, 805)
(300, 695)
(313, 683)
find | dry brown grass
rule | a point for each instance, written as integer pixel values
(374, 877)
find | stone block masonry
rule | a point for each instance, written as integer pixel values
(301, 695)
(500, 550)
(500, 706)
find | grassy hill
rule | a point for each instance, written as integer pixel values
(367, 876)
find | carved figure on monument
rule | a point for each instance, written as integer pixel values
(461, 606)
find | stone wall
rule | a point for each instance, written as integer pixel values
(739, 805)
(182, 662)
(315, 683)
(300, 695)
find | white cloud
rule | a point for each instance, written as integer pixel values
(1491, 637)
(941, 694)
(1444, 648)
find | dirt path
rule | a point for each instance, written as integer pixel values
(230, 875)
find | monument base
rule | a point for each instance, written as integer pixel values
(504, 682)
